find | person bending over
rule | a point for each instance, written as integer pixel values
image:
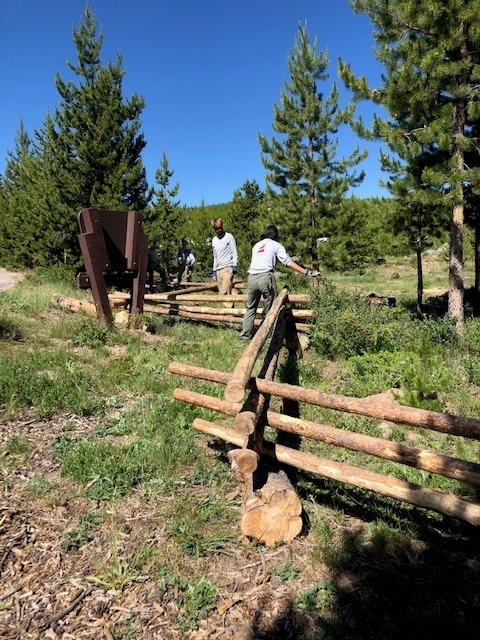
(261, 278)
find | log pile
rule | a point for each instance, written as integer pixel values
(198, 301)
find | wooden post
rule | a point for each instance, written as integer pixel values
(237, 384)
(447, 504)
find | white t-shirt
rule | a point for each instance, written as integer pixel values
(265, 255)
(224, 251)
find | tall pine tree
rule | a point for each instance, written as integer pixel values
(87, 153)
(163, 218)
(431, 53)
(303, 163)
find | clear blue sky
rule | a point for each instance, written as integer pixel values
(210, 72)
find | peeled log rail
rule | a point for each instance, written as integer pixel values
(391, 411)
(447, 504)
(299, 314)
(203, 317)
(294, 298)
(237, 383)
(439, 463)
(247, 420)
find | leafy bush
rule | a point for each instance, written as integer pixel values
(348, 325)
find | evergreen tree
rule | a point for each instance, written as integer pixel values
(244, 220)
(18, 222)
(430, 90)
(162, 220)
(303, 164)
(87, 154)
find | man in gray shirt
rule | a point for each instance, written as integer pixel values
(225, 259)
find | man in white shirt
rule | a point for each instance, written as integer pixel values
(261, 278)
(225, 259)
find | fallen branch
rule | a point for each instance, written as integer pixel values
(64, 612)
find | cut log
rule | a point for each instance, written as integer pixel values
(391, 411)
(203, 317)
(298, 314)
(447, 504)
(257, 403)
(81, 305)
(294, 298)
(444, 465)
(237, 384)
(272, 514)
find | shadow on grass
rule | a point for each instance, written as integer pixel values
(387, 587)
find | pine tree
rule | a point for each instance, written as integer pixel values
(18, 220)
(303, 164)
(87, 154)
(163, 219)
(430, 90)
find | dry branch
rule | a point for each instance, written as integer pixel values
(391, 411)
(447, 504)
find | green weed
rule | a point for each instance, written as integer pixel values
(76, 537)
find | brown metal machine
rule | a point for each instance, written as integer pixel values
(114, 250)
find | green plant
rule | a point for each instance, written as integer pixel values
(110, 470)
(10, 329)
(196, 600)
(200, 527)
(320, 596)
(17, 445)
(286, 572)
(76, 537)
(39, 486)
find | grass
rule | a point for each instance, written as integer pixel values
(140, 445)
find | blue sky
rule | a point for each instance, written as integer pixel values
(210, 72)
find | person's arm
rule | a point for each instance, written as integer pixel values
(234, 252)
(306, 272)
(296, 267)
(214, 255)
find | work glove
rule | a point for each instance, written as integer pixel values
(214, 275)
(234, 269)
(315, 274)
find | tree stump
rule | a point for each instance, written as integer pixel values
(272, 514)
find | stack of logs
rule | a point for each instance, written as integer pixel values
(202, 302)
(197, 301)
(271, 510)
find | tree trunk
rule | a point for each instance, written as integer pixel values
(272, 514)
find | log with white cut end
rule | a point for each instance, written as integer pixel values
(272, 514)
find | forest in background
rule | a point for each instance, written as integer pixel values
(88, 153)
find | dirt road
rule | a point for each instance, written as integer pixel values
(8, 279)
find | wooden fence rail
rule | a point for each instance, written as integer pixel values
(272, 514)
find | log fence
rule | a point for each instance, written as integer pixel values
(270, 512)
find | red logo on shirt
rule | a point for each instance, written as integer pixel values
(261, 249)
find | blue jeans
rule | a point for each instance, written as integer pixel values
(260, 285)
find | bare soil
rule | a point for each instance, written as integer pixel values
(8, 278)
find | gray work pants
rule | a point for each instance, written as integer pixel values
(261, 285)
